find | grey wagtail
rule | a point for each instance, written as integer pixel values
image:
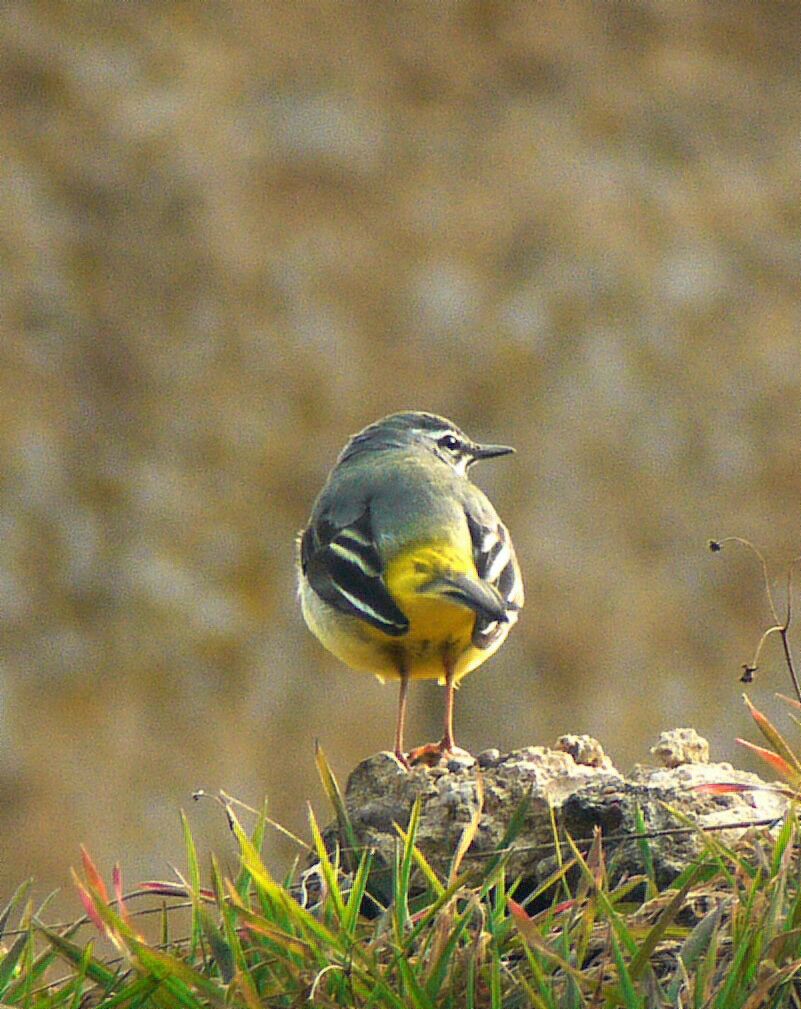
(405, 569)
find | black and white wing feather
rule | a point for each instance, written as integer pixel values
(343, 566)
(496, 564)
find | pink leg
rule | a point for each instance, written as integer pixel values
(401, 723)
(448, 744)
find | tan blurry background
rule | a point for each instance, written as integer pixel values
(233, 234)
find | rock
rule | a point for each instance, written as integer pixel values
(488, 758)
(584, 750)
(681, 746)
(577, 781)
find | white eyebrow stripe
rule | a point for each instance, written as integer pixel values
(352, 557)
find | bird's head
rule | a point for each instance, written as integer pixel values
(438, 435)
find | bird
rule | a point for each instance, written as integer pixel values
(405, 569)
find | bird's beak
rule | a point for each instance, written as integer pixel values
(490, 451)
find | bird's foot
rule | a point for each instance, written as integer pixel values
(433, 754)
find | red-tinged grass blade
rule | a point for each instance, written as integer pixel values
(116, 880)
(777, 762)
(522, 919)
(89, 906)
(796, 721)
(722, 787)
(111, 923)
(774, 737)
(739, 787)
(93, 876)
(792, 701)
(165, 889)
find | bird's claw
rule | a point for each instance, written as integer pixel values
(433, 754)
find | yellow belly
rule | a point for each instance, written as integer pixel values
(433, 617)
(440, 630)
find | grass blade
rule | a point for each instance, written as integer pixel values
(193, 882)
(10, 960)
(332, 790)
(18, 897)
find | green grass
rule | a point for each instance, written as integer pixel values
(726, 936)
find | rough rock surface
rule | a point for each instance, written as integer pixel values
(576, 783)
(681, 746)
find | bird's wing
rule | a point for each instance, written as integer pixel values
(496, 566)
(343, 566)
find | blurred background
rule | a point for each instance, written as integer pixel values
(233, 234)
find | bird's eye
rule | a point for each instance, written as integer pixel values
(449, 441)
